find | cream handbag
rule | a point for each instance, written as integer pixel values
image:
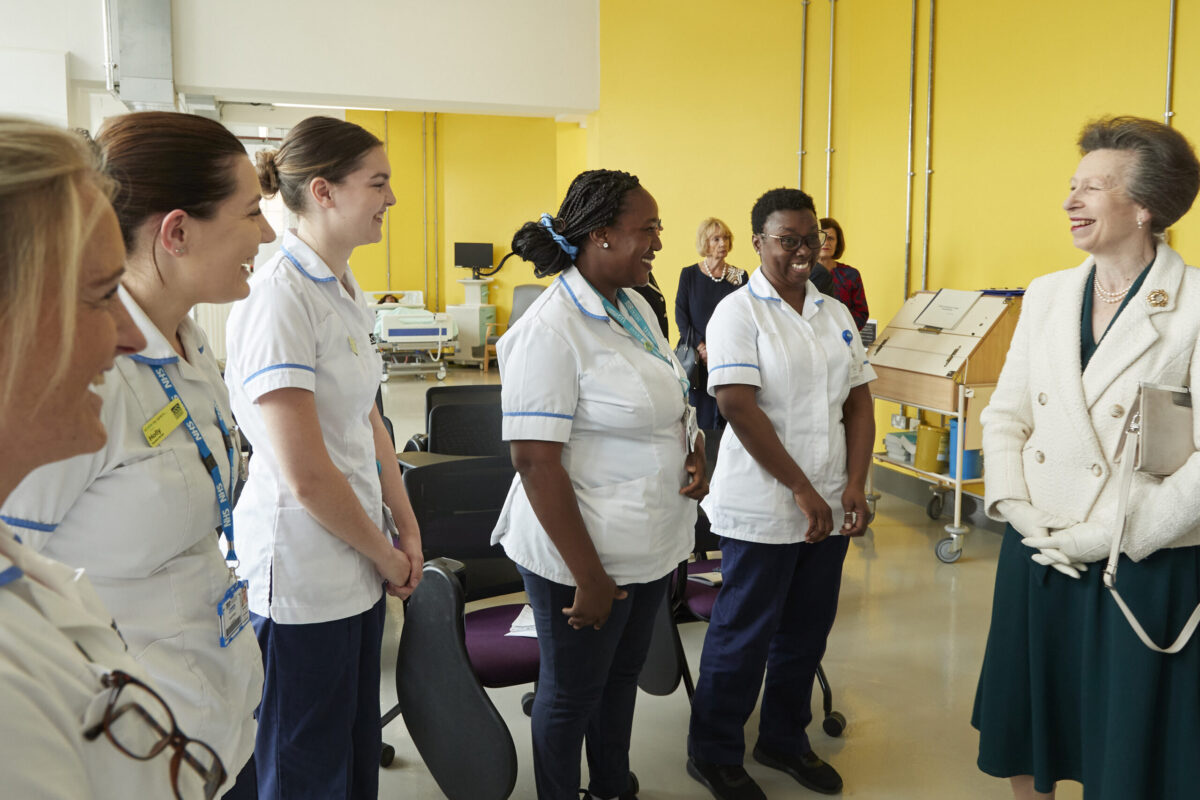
(1158, 439)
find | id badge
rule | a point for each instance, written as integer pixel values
(691, 427)
(233, 612)
(389, 527)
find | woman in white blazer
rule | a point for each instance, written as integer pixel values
(62, 325)
(144, 513)
(1068, 692)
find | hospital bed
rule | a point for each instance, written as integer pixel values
(411, 339)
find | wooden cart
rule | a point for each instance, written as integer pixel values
(949, 371)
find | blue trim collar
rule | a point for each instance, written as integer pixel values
(586, 300)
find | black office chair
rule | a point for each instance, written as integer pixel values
(460, 735)
(472, 429)
(452, 395)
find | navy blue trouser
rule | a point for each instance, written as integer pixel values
(318, 724)
(587, 685)
(773, 613)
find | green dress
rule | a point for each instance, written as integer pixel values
(1068, 691)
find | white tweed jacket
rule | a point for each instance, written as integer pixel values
(1050, 433)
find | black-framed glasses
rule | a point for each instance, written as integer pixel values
(138, 721)
(791, 244)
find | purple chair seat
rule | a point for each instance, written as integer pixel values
(500, 660)
(697, 597)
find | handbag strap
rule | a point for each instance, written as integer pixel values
(1130, 442)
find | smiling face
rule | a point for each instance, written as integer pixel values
(633, 239)
(1104, 219)
(787, 272)
(60, 419)
(362, 199)
(223, 248)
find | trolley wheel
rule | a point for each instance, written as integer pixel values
(441, 374)
(947, 552)
(527, 704)
(935, 505)
(387, 755)
(835, 723)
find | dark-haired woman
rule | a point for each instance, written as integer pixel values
(602, 439)
(790, 375)
(701, 287)
(140, 514)
(303, 375)
(1068, 691)
(844, 281)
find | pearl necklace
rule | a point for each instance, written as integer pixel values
(708, 272)
(1106, 296)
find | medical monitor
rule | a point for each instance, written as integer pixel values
(474, 256)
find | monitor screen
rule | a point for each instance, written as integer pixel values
(473, 255)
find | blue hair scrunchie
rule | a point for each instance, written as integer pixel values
(568, 248)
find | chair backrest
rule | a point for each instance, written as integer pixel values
(459, 395)
(456, 504)
(523, 296)
(470, 429)
(442, 701)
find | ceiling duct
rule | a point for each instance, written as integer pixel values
(202, 105)
(141, 71)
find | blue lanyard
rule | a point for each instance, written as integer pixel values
(643, 336)
(206, 456)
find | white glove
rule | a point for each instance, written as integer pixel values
(1029, 521)
(1087, 541)
(1032, 523)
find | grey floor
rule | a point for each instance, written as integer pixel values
(903, 660)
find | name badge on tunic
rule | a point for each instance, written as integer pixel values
(159, 426)
(691, 427)
(233, 612)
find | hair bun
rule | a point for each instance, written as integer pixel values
(268, 171)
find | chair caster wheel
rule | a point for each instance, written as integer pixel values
(834, 724)
(387, 755)
(948, 551)
(527, 703)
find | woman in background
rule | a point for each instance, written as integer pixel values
(602, 439)
(844, 281)
(62, 660)
(188, 204)
(701, 286)
(303, 376)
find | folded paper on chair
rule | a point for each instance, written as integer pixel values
(523, 624)
(707, 578)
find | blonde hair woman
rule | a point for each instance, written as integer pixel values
(62, 661)
(701, 286)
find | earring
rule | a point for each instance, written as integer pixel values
(604, 245)
(179, 250)
(1139, 223)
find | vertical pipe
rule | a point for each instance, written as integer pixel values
(908, 191)
(803, 70)
(1167, 112)
(829, 117)
(387, 219)
(106, 16)
(928, 149)
(425, 210)
(437, 261)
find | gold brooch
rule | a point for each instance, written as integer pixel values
(1157, 298)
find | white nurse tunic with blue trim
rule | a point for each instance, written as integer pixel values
(570, 374)
(804, 366)
(300, 328)
(142, 521)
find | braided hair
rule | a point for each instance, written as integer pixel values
(595, 199)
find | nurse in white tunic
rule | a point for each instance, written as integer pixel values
(303, 375)
(790, 374)
(61, 326)
(595, 407)
(143, 514)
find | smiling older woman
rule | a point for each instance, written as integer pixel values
(1067, 691)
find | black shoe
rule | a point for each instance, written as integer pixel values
(809, 770)
(725, 781)
(628, 794)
